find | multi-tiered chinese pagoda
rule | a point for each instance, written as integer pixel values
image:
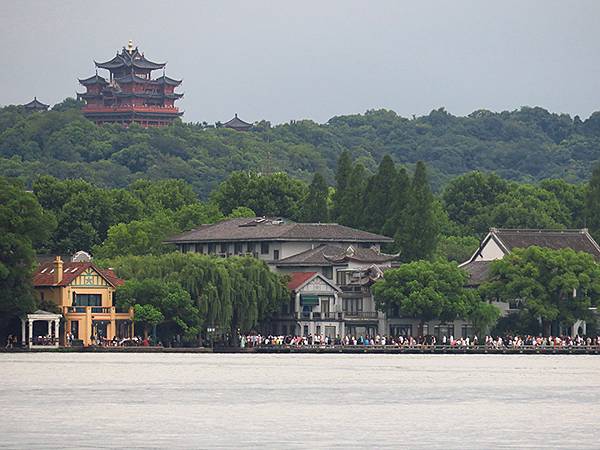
(130, 95)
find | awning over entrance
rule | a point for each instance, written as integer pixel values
(309, 300)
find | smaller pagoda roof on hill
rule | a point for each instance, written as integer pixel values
(129, 57)
(237, 124)
(36, 105)
(167, 80)
(94, 79)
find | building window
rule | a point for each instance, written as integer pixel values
(238, 248)
(264, 248)
(199, 248)
(328, 272)
(275, 254)
(211, 248)
(88, 300)
(224, 248)
(251, 247)
(353, 305)
(305, 330)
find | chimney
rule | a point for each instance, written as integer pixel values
(58, 270)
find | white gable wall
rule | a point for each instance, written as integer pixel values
(490, 252)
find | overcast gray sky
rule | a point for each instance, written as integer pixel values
(281, 60)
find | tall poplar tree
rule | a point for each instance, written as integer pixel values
(350, 213)
(417, 239)
(399, 207)
(379, 196)
(342, 178)
(314, 208)
(592, 205)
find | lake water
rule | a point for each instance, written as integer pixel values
(298, 401)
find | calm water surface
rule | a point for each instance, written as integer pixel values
(298, 401)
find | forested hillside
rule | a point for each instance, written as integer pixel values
(529, 144)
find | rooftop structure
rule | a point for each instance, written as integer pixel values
(130, 94)
(276, 229)
(35, 105)
(237, 124)
(327, 255)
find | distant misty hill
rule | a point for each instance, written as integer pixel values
(528, 144)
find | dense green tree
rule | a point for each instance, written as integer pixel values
(529, 144)
(379, 196)
(418, 238)
(165, 304)
(267, 195)
(528, 206)
(592, 203)
(342, 180)
(425, 290)
(139, 237)
(349, 208)
(398, 216)
(231, 294)
(148, 316)
(469, 198)
(572, 199)
(23, 224)
(555, 286)
(482, 315)
(456, 248)
(315, 208)
(163, 194)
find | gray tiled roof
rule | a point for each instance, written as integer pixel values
(478, 272)
(261, 229)
(326, 255)
(578, 240)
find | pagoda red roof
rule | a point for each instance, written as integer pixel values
(44, 275)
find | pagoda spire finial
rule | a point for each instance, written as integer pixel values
(130, 46)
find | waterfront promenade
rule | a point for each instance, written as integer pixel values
(333, 349)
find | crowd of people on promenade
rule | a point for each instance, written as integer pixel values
(495, 342)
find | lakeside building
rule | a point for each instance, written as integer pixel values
(84, 294)
(331, 267)
(500, 242)
(130, 94)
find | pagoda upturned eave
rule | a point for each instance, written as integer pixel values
(94, 79)
(126, 59)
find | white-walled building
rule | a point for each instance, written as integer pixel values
(331, 268)
(500, 242)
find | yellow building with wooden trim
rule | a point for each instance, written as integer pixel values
(84, 294)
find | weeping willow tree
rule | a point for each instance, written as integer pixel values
(236, 293)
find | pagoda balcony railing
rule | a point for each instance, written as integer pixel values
(131, 108)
